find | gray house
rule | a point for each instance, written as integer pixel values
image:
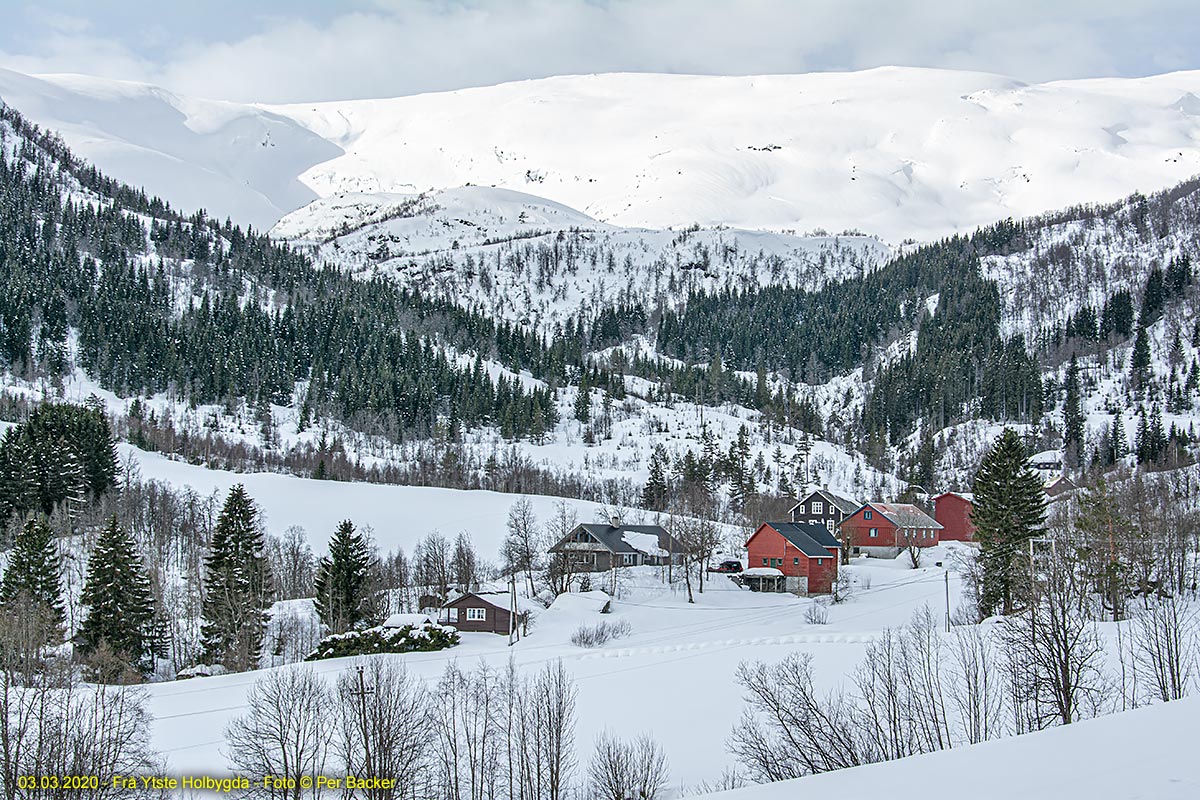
(825, 508)
(599, 546)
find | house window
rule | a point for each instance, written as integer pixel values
(820, 561)
(764, 562)
(829, 525)
(452, 615)
(817, 506)
(874, 532)
(795, 562)
(630, 558)
(476, 614)
(867, 514)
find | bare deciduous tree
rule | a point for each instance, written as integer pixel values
(789, 730)
(522, 545)
(1056, 656)
(975, 692)
(1165, 648)
(622, 770)
(285, 732)
(386, 729)
(51, 724)
(468, 734)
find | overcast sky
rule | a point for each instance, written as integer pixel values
(294, 50)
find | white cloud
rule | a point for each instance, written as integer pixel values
(391, 47)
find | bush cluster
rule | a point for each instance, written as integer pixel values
(374, 641)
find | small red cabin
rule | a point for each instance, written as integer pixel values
(953, 513)
(805, 552)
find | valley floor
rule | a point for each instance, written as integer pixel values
(674, 676)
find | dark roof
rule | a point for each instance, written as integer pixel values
(905, 515)
(810, 538)
(845, 505)
(613, 537)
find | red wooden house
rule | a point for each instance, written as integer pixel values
(805, 552)
(953, 512)
(884, 529)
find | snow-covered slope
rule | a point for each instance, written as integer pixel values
(232, 160)
(896, 152)
(1144, 753)
(538, 262)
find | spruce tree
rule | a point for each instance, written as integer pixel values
(119, 601)
(1010, 509)
(1118, 437)
(654, 494)
(583, 402)
(1139, 361)
(237, 586)
(1073, 419)
(344, 596)
(34, 570)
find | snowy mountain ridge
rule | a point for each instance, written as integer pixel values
(541, 263)
(894, 152)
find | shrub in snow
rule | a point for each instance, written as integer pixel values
(374, 641)
(816, 614)
(200, 671)
(596, 635)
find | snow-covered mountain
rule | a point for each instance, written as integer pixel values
(894, 152)
(540, 263)
(232, 160)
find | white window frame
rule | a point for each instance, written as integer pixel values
(874, 533)
(818, 507)
(829, 524)
(867, 514)
(630, 559)
(476, 615)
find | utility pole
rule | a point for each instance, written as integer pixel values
(512, 609)
(947, 574)
(361, 693)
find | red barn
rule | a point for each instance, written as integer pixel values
(953, 513)
(884, 529)
(805, 552)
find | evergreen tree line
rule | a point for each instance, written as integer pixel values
(62, 454)
(961, 360)
(254, 320)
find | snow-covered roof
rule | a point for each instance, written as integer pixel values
(400, 620)
(593, 601)
(650, 540)
(644, 543)
(762, 572)
(905, 515)
(501, 600)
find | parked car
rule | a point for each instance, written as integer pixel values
(727, 566)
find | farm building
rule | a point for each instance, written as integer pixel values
(953, 510)
(805, 553)
(884, 529)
